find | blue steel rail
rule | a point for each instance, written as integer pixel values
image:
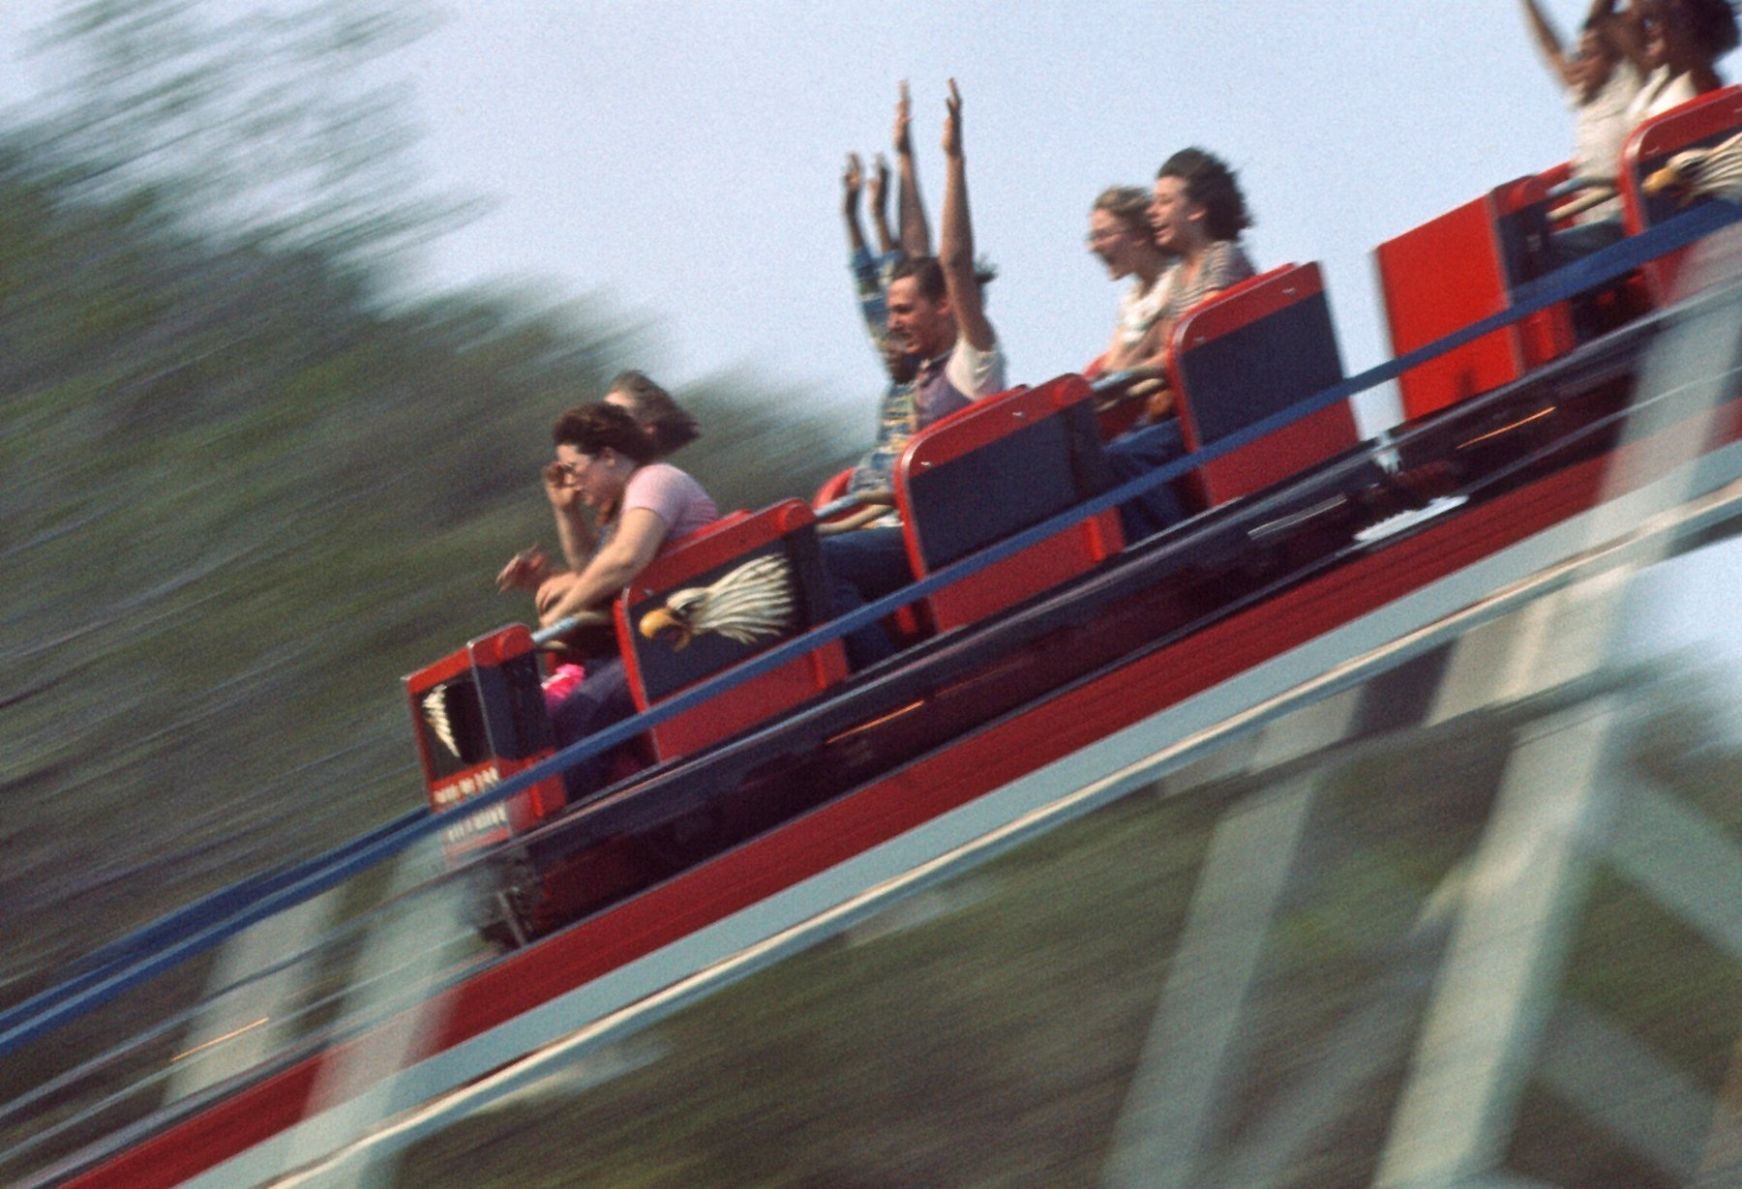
(193, 930)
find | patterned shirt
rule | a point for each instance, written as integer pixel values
(1224, 264)
(895, 413)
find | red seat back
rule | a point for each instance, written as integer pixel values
(1462, 267)
(1700, 123)
(990, 470)
(722, 596)
(478, 717)
(1248, 353)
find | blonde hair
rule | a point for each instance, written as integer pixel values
(1128, 204)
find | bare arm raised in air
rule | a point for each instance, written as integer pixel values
(915, 232)
(956, 235)
(879, 187)
(851, 179)
(1548, 42)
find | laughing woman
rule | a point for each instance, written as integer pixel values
(1198, 213)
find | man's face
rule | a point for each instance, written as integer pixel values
(1115, 242)
(916, 323)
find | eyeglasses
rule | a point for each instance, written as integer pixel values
(1102, 234)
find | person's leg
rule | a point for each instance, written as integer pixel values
(600, 700)
(1577, 242)
(1138, 453)
(863, 565)
(874, 560)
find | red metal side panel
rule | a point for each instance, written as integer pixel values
(1436, 279)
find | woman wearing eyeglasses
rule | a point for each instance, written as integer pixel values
(667, 426)
(1121, 236)
(607, 464)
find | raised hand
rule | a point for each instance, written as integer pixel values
(953, 122)
(562, 494)
(903, 117)
(526, 570)
(879, 183)
(852, 177)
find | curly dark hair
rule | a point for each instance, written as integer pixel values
(1211, 184)
(593, 428)
(668, 424)
(1709, 24)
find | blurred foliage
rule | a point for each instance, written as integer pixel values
(266, 119)
(241, 490)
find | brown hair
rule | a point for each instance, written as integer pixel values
(668, 424)
(1210, 183)
(593, 428)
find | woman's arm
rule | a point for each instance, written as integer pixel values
(1548, 42)
(639, 535)
(573, 530)
(879, 187)
(851, 177)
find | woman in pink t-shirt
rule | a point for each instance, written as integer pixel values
(607, 462)
(643, 506)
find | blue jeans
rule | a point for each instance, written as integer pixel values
(1578, 242)
(864, 564)
(1137, 452)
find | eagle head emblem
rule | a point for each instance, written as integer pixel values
(1714, 172)
(749, 603)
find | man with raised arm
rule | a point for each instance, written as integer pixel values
(896, 420)
(936, 315)
(935, 306)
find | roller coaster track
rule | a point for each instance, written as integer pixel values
(465, 1033)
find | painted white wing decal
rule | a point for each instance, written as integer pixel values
(435, 713)
(750, 603)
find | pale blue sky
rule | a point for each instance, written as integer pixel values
(683, 158)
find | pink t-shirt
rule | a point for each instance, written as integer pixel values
(673, 496)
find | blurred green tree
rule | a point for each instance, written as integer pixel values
(241, 489)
